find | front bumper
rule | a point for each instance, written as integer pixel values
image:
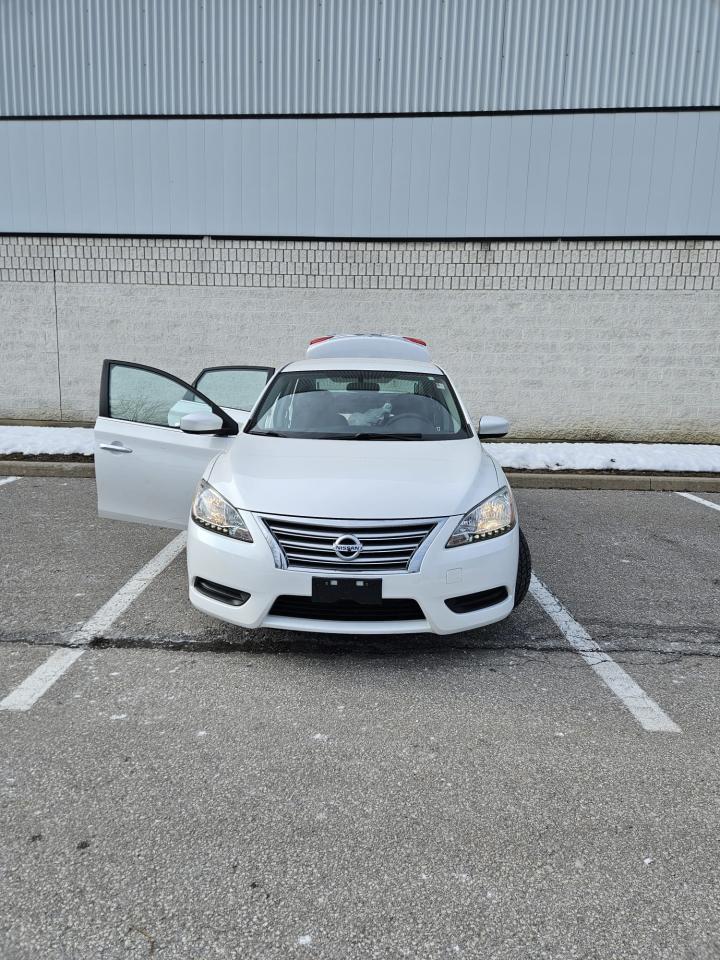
(444, 574)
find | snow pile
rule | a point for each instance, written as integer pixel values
(670, 457)
(34, 440)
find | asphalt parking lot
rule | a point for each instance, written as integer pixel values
(185, 789)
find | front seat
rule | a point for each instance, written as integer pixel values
(315, 413)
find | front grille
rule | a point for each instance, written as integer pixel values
(384, 546)
(305, 608)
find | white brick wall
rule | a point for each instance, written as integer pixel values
(569, 339)
(687, 265)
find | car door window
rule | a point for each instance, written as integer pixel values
(234, 387)
(141, 394)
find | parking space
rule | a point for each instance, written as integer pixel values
(638, 570)
(59, 561)
(18, 661)
(707, 498)
(622, 562)
(188, 789)
(687, 687)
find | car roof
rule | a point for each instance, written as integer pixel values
(363, 363)
(368, 345)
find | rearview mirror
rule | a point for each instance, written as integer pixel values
(201, 423)
(493, 427)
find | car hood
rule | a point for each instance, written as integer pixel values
(355, 479)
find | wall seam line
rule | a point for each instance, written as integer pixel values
(57, 329)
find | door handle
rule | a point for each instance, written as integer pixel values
(115, 447)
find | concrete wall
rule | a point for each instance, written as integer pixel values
(636, 359)
(29, 384)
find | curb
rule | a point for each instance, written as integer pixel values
(614, 481)
(46, 468)
(548, 480)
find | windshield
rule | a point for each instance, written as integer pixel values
(360, 405)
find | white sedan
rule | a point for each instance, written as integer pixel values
(346, 493)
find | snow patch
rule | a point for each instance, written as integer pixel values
(34, 440)
(666, 457)
(670, 457)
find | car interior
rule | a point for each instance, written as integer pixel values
(358, 407)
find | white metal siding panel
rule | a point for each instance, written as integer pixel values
(512, 175)
(705, 195)
(168, 57)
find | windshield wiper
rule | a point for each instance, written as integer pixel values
(386, 436)
(341, 436)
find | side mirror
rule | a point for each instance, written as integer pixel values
(201, 423)
(493, 427)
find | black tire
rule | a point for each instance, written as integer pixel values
(522, 581)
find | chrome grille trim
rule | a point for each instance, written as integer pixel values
(389, 546)
(336, 531)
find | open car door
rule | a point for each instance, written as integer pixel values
(146, 466)
(235, 389)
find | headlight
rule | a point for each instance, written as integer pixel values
(488, 519)
(212, 511)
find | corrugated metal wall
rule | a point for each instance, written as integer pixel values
(549, 175)
(121, 57)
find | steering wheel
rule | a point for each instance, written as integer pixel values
(420, 424)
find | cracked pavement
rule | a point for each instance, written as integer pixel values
(188, 790)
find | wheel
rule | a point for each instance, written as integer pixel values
(522, 582)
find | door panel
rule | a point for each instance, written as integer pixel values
(233, 388)
(154, 482)
(146, 468)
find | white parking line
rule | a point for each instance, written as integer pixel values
(7, 480)
(645, 710)
(120, 601)
(705, 503)
(40, 680)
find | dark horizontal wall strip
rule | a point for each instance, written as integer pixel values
(269, 238)
(362, 116)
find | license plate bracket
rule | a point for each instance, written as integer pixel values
(357, 589)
